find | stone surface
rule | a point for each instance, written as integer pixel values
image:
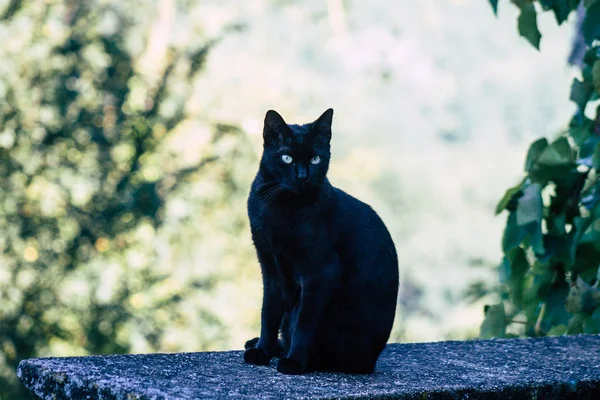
(545, 368)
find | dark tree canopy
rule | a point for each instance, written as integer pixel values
(84, 177)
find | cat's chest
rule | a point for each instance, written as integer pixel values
(284, 230)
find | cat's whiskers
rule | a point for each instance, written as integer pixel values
(262, 185)
(269, 191)
(278, 189)
(270, 195)
(326, 189)
(327, 192)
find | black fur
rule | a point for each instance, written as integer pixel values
(329, 266)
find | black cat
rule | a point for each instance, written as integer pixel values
(329, 265)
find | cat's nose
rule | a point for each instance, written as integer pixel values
(301, 174)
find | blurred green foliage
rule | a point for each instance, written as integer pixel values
(86, 183)
(550, 273)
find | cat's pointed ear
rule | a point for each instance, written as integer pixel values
(275, 127)
(322, 125)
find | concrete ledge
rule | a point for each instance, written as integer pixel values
(545, 368)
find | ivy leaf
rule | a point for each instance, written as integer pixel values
(561, 11)
(596, 160)
(579, 128)
(518, 266)
(560, 8)
(556, 313)
(535, 238)
(530, 207)
(494, 4)
(513, 233)
(575, 325)
(591, 55)
(580, 93)
(534, 152)
(504, 270)
(573, 4)
(555, 163)
(591, 23)
(596, 75)
(558, 250)
(541, 282)
(592, 323)
(527, 25)
(509, 197)
(555, 222)
(592, 197)
(494, 323)
(559, 153)
(588, 148)
(582, 298)
(580, 225)
(557, 330)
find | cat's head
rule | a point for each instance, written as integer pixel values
(296, 156)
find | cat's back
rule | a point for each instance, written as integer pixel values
(356, 215)
(361, 235)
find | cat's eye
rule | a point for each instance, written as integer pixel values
(315, 160)
(286, 158)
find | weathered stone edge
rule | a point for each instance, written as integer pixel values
(50, 384)
(47, 384)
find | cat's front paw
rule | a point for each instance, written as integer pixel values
(290, 367)
(251, 343)
(256, 356)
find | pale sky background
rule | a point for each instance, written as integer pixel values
(435, 105)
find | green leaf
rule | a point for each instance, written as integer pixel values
(591, 23)
(561, 10)
(494, 4)
(509, 197)
(504, 270)
(494, 323)
(535, 237)
(591, 55)
(588, 148)
(527, 25)
(559, 153)
(530, 207)
(555, 222)
(591, 196)
(573, 3)
(590, 327)
(596, 75)
(558, 250)
(557, 330)
(580, 225)
(582, 298)
(556, 314)
(596, 159)
(592, 323)
(579, 128)
(518, 267)
(534, 152)
(541, 280)
(575, 325)
(513, 233)
(580, 93)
